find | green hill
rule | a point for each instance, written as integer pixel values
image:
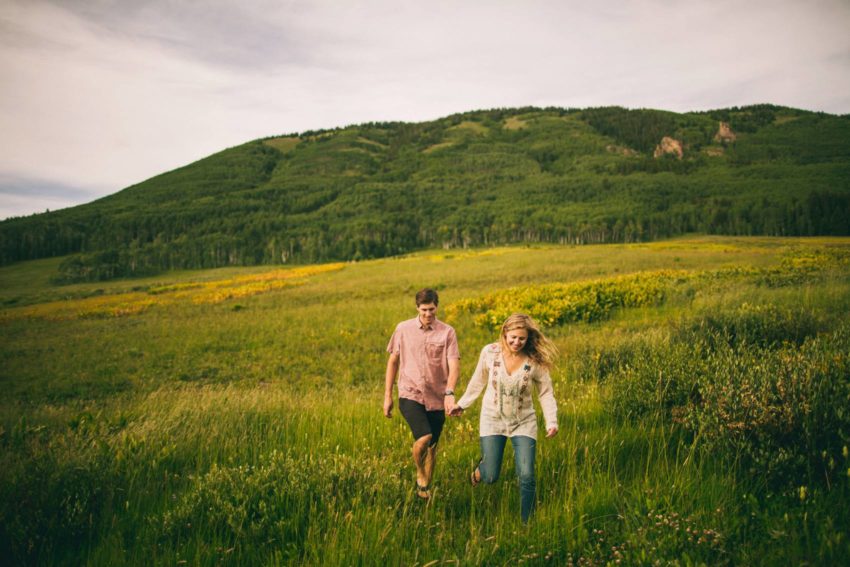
(477, 178)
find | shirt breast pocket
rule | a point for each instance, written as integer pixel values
(435, 350)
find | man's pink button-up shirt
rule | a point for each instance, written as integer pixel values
(424, 360)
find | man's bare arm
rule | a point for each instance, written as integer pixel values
(389, 380)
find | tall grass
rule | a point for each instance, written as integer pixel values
(209, 434)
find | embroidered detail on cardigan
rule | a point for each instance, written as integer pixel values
(512, 390)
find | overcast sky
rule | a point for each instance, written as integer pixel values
(96, 95)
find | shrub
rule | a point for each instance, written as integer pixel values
(761, 325)
(781, 411)
(593, 363)
(656, 379)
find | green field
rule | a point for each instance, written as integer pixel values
(233, 416)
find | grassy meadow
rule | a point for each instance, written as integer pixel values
(233, 416)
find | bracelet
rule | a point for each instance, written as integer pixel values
(449, 393)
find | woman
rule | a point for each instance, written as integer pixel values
(522, 357)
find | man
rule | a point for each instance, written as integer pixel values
(424, 353)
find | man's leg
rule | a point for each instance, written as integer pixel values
(421, 450)
(430, 461)
(436, 420)
(415, 415)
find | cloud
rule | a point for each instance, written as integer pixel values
(21, 196)
(106, 93)
(98, 107)
(258, 35)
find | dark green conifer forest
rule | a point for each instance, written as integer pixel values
(473, 179)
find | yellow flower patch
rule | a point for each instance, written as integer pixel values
(594, 300)
(133, 303)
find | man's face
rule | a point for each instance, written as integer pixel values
(427, 313)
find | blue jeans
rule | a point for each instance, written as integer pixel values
(492, 452)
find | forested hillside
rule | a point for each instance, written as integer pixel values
(478, 178)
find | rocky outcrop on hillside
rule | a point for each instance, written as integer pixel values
(669, 145)
(724, 134)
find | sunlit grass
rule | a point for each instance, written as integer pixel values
(249, 431)
(200, 292)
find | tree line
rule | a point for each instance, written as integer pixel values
(481, 178)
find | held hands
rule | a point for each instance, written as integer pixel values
(452, 409)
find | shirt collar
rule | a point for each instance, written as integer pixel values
(424, 327)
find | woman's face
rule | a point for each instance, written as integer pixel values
(516, 339)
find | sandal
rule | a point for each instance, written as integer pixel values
(423, 492)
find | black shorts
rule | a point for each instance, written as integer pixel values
(421, 421)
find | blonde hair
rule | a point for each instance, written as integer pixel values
(538, 348)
